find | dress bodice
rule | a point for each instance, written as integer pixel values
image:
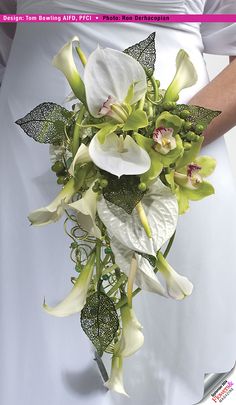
(103, 6)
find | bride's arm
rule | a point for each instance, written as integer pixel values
(220, 94)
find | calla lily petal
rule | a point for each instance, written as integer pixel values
(132, 337)
(82, 156)
(185, 76)
(76, 299)
(115, 382)
(110, 73)
(110, 156)
(54, 211)
(178, 286)
(86, 209)
(64, 61)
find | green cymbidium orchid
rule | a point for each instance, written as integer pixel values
(54, 211)
(185, 76)
(76, 299)
(178, 286)
(158, 160)
(189, 182)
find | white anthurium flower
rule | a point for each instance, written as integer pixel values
(108, 76)
(161, 209)
(185, 76)
(132, 337)
(119, 156)
(115, 382)
(145, 277)
(178, 286)
(82, 156)
(75, 300)
(54, 211)
(86, 209)
(64, 61)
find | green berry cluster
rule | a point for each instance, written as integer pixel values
(99, 185)
(61, 172)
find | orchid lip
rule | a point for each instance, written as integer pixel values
(192, 168)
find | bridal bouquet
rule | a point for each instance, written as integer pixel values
(127, 159)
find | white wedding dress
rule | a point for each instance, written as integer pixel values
(47, 360)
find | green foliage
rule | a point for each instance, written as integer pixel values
(198, 115)
(123, 191)
(99, 320)
(169, 120)
(145, 53)
(137, 119)
(46, 123)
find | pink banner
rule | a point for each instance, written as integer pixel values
(115, 18)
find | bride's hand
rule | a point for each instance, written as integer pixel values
(219, 94)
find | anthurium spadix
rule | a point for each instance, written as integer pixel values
(76, 299)
(54, 211)
(64, 61)
(185, 76)
(178, 286)
(109, 74)
(118, 155)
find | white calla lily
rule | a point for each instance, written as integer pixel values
(54, 211)
(115, 382)
(185, 76)
(75, 300)
(132, 337)
(86, 209)
(178, 286)
(82, 156)
(119, 156)
(108, 75)
(64, 61)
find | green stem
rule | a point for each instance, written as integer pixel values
(117, 285)
(141, 103)
(98, 261)
(124, 300)
(76, 135)
(109, 269)
(155, 88)
(170, 243)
